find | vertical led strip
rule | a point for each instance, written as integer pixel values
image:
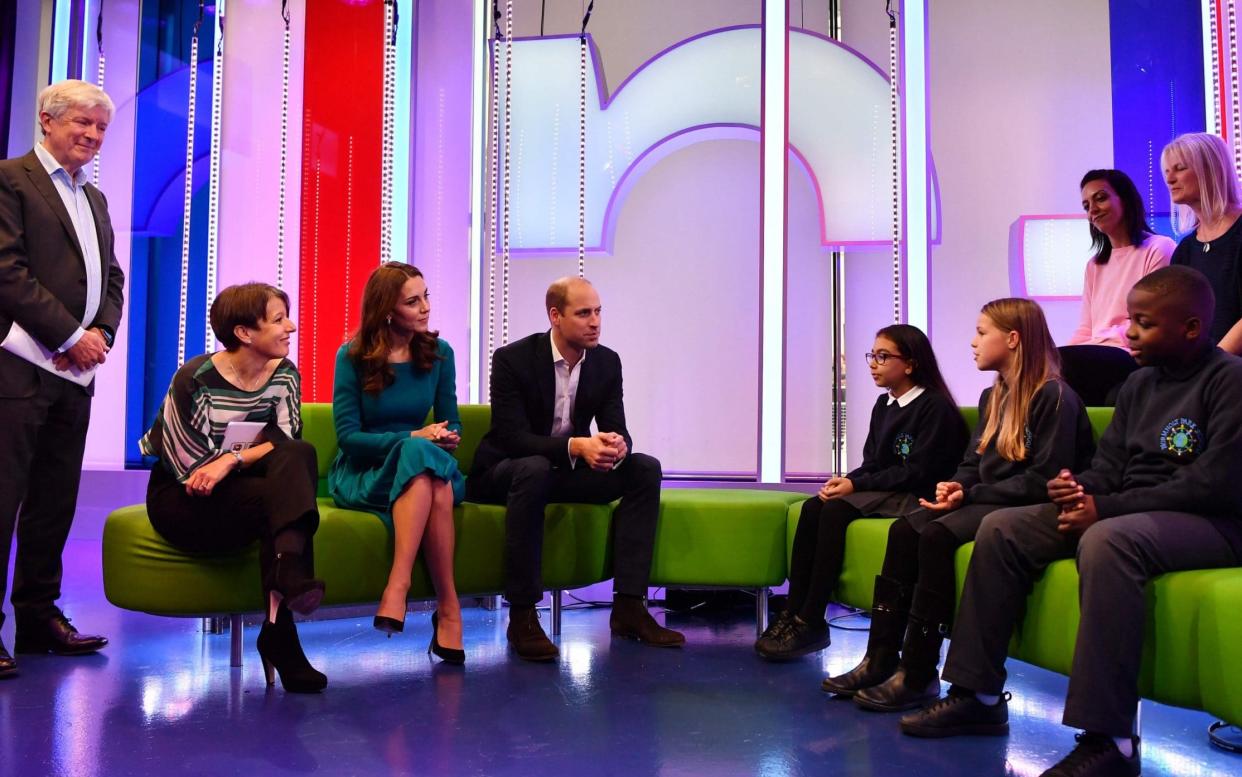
(478, 224)
(894, 127)
(1211, 55)
(283, 198)
(399, 230)
(389, 115)
(188, 194)
(213, 185)
(1235, 126)
(914, 137)
(99, 66)
(774, 139)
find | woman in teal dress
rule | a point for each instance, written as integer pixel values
(388, 376)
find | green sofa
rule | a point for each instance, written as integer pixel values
(737, 538)
(1193, 649)
(705, 537)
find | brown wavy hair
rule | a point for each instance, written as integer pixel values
(369, 348)
(1037, 363)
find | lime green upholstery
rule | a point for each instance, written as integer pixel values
(704, 537)
(1219, 636)
(728, 537)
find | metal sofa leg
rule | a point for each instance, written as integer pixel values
(556, 613)
(235, 639)
(213, 625)
(761, 609)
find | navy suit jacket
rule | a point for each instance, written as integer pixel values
(42, 280)
(523, 386)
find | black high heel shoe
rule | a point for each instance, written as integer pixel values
(388, 625)
(282, 653)
(288, 581)
(447, 655)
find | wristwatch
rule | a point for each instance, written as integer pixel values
(107, 336)
(240, 461)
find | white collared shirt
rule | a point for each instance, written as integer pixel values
(73, 194)
(907, 397)
(566, 393)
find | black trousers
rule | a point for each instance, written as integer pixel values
(1116, 558)
(921, 551)
(818, 553)
(272, 501)
(1096, 372)
(42, 438)
(526, 486)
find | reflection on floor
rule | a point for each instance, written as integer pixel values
(162, 700)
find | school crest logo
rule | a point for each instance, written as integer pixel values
(903, 445)
(1181, 437)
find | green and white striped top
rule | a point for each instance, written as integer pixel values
(189, 427)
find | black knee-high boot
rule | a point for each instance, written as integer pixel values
(889, 612)
(916, 680)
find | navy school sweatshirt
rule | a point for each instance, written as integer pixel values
(1175, 443)
(910, 449)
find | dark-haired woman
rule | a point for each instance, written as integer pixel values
(205, 499)
(1097, 360)
(388, 376)
(916, 438)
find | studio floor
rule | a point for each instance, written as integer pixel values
(162, 700)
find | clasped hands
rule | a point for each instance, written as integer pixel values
(835, 487)
(949, 497)
(439, 434)
(602, 451)
(1077, 507)
(90, 350)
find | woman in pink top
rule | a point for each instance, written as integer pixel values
(1097, 360)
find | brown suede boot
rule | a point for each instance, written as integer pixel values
(526, 637)
(630, 619)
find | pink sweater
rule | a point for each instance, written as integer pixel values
(1104, 319)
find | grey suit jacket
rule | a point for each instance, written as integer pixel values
(42, 279)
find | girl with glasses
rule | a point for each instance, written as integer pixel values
(916, 436)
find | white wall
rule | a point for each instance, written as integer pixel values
(1020, 101)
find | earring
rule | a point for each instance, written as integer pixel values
(389, 320)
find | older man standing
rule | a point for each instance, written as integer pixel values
(61, 292)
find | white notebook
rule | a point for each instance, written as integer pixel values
(20, 343)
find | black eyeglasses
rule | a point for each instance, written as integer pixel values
(882, 356)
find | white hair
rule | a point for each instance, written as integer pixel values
(59, 97)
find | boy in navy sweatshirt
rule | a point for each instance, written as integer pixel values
(1160, 496)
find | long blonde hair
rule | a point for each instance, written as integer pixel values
(1211, 160)
(1036, 361)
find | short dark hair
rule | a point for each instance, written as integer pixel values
(1186, 286)
(242, 305)
(1133, 215)
(558, 293)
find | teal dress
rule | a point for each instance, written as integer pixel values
(377, 458)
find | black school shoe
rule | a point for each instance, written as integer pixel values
(796, 639)
(1097, 756)
(958, 714)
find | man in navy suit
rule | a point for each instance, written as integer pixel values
(546, 389)
(60, 286)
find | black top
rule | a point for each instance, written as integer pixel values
(910, 449)
(1058, 436)
(1175, 443)
(523, 386)
(1221, 261)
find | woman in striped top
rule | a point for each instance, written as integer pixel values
(204, 499)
